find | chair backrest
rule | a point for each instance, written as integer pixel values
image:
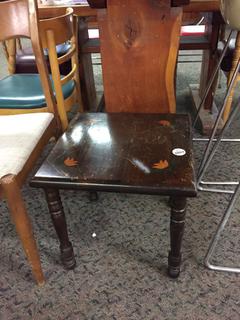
(19, 18)
(54, 31)
(139, 46)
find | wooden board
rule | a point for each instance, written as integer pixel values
(139, 46)
(85, 10)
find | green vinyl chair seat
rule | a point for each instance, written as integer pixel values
(24, 91)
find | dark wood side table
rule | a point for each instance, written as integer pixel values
(132, 153)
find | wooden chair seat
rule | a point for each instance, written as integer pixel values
(122, 152)
(24, 91)
(19, 135)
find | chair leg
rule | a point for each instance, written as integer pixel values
(23, 224)
(178, 208)
(217, 235)
(59, 221)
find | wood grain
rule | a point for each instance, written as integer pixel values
(139, 47)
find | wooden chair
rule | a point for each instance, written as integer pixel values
(137, 150)
(23, 136)
(21, 93)
(55, 31)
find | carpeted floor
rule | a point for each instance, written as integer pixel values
(121, 273)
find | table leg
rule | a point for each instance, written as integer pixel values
(86, 68)
(178, 206)
(209, 61)
(60, 225)
(210, 58)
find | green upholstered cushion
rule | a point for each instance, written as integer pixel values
(24, 91)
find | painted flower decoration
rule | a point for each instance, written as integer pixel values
(70, 162)
(164, 123)
(162, 164)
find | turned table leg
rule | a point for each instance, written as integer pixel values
(60, 225)
(178, 207)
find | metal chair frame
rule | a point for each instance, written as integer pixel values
(212, 145)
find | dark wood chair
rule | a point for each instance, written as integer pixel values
(140, 145)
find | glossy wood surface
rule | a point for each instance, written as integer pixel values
(123, 153)
(86, 11)
(131, 83)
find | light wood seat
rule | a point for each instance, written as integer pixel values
(19, 135)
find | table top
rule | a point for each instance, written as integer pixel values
(81, 8)
(136, 153)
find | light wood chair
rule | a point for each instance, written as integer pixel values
(55, 31)
(23, 93)
(23, 136)
(9, 33)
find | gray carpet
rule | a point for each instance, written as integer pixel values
(121, 273)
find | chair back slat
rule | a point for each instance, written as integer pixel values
(69, 76)
(54, 31)
(60, 26)
(14, 20)
(139, 46)
(67, 56)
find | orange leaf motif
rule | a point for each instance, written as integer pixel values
(162, 164)
(70, 162)
(164, 123)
